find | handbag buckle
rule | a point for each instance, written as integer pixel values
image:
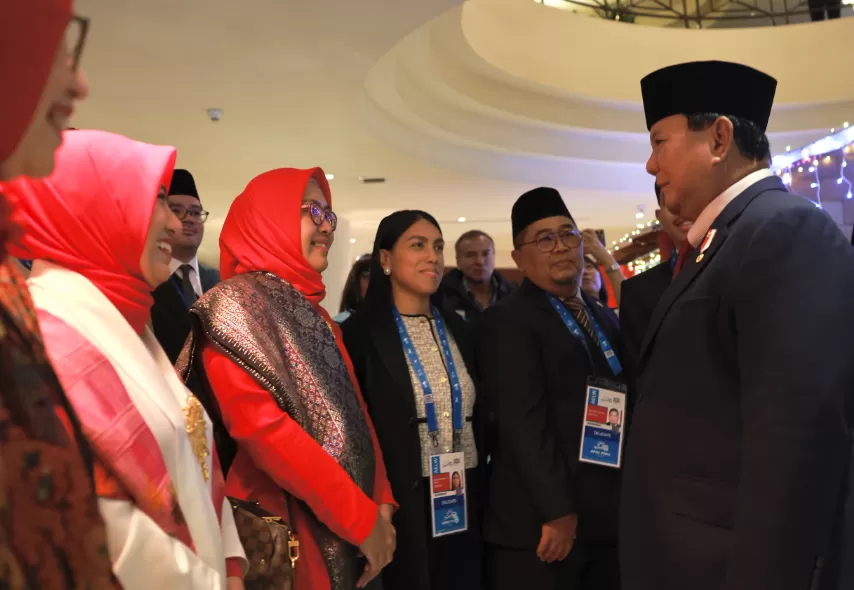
(293, 549)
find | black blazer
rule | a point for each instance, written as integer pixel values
(170, 313)
(534, 375)
(379, 361)
(639, 296)
(737, 470)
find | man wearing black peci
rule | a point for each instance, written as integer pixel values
(190, 279)
(550, 520)
(738, 467)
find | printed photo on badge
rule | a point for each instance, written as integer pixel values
(602, 431)
(448, 494)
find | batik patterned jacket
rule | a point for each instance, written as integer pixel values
(51, 533)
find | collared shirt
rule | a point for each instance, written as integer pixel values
(195, 279)
(710, 213)
(493, 297)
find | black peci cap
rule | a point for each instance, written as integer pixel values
(183, 184)
(708, 87)
(537, 204)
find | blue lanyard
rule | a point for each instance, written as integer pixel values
(575, 330)
(456, 388)
(178, 287)
(673, 256)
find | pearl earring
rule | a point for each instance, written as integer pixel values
(387, 271)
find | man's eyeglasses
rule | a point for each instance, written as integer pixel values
(547, 242)
(319, 214)
(75, 38)
(182, 212)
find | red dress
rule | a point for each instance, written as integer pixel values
(275, 453)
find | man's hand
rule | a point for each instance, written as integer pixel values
(558, 538)
(595, 248)
(379, 547)
(234, 583)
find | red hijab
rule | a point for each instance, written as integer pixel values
(30, 33)
(262, 230)
(92, 214)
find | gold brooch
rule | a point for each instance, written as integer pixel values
(197, 431)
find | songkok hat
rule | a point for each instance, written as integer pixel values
(183, 184)
(708, 87)
(539, 203)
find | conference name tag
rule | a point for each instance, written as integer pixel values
(604, 426)
(448, 493)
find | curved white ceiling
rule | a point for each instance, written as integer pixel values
(519, 91)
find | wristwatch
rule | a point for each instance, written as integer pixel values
(613, 268)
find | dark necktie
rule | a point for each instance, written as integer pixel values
(189, 293)
(582, 316)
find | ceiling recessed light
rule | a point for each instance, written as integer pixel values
(461, 219)
(330, 177)
(352, 240)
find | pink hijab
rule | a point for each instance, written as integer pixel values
(92, 214)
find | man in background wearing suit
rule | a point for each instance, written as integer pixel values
(640, 293)
(737, 474)
(189, 280)
(550, 520)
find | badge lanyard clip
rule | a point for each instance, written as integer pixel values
(418, 367)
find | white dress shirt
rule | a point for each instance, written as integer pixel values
(710, 213)
(195, 279)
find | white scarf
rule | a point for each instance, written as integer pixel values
(153, 386)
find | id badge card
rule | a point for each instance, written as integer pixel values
(604, 426)
(448, 494)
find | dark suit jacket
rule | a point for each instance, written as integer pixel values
(170, 313)
(534, 375)
(736, 470)
(639, 296)
(378, 358)
(455, 297)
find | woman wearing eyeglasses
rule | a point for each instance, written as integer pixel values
(42, 442)
(415, 367)
(296, 433)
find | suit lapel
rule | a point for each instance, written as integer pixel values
(387, 342)
(209, 278)
(169, 296)
(695, 264)
(539, 298)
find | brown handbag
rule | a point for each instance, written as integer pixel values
(270, 545)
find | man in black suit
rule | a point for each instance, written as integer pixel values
(190, 279)
(550, 521)
(737, 472)
(641, 293)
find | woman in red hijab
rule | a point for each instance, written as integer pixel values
(284, 385)
(100, 232)
(46, 480)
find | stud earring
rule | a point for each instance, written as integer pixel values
(387, 271)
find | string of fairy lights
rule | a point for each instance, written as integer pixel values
(822, 155)
(809, 163)
(645, 261)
